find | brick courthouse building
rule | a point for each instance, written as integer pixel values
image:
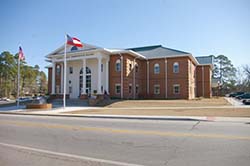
(153, 72)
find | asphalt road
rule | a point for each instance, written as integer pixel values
(41, 141)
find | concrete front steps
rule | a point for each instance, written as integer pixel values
(70, 102)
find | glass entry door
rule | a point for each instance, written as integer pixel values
(87, 83)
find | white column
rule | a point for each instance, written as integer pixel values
(107, 76)
(53, 78)
(99, 81)
(83, 76)
(61, 78)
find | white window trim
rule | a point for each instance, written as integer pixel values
(116, 62)
(136, 68)
(137, 86)
(176, 64)
(155, 67)
(130, 85)
(58, 69)
(176, 85)
(71, 69)
(157, 85)
(116, 89)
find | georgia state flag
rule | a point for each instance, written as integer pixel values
(74, 41)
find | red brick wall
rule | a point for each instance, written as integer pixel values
(156, 79)
(115, 77)
(207, 81)
(127, 76)
(141, 78)
(185, 78)
(57, 78)
(180, 78)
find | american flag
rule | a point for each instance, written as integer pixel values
(21, 55)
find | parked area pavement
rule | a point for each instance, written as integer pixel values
(235, 102)
(43, 140)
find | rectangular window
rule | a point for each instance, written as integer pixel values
(137, 89)
(176, 89)
(156, 68)
(118, 65)
(101, 67)
(88, 84)
(117, 88)
(58, 69)
(156, 89)
(136, 68)
(130, 88)
(70, 70)
(70, 89)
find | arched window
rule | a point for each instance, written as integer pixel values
(88, 71)
(156, 68)
(118, 65)
(176, 67)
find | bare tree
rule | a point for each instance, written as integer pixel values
(247, 70)
(246, 82)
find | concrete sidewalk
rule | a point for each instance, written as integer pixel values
(134, 117)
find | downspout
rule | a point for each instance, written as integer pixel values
(147, 77)
(166, 78)
(121, 75)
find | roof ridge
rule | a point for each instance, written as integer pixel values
(143, 47)
(202, 56)
(175, 50)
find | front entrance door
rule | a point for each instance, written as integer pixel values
(87, 83)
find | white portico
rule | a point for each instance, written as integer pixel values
(87, 71)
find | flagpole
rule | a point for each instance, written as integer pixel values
(64, 78)
(18, 80)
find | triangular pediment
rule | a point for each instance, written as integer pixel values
(70, 48)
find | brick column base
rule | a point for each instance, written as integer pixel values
(58, 96)
(100, 97)
(83, 96)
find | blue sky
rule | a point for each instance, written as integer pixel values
(195, 26)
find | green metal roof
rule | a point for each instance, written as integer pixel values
(157, 51)
(205, 59)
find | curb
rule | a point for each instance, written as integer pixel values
(181, 118)
(129, 117)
